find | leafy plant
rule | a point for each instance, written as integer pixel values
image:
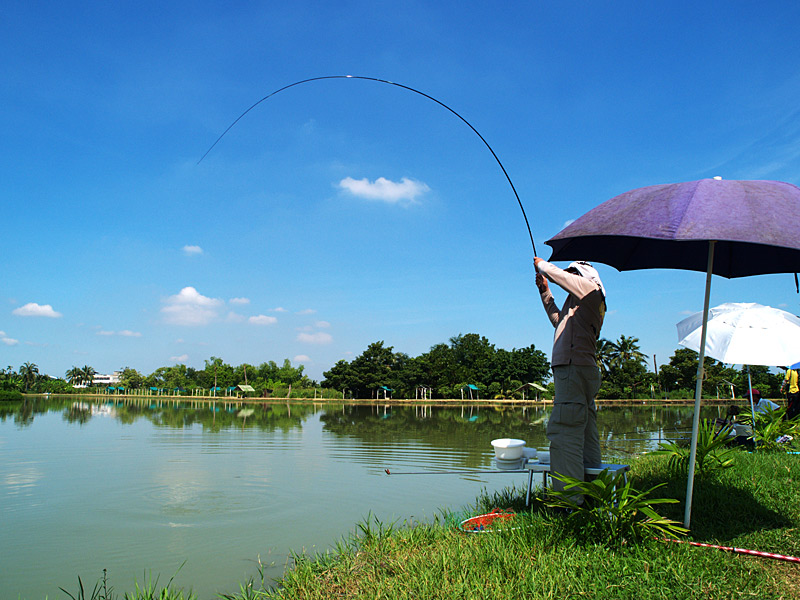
(712, 455)
(613, 513)
(771, 426)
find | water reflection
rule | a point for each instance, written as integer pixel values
(173, 414)
(21, 479)
(624, 430)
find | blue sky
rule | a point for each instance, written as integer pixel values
(343, 212)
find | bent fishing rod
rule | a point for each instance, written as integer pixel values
(400, 85)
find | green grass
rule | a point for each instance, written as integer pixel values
(755, 504)
(535, 561)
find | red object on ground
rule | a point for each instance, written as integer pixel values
(483, 523)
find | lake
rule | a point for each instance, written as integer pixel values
(141, 487)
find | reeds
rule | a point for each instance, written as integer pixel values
(149, 590)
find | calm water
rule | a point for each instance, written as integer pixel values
(140, 487)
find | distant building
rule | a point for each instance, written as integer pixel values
(112, 379)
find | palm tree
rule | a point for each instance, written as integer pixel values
(626, 350)
(627, 363)
(28, 372)
(604, 354)
(88, 374)
(74, 376)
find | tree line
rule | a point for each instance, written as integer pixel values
(441, 372)
(626, 374)
(216, 373)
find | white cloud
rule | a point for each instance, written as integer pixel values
(301, 358)
(123, 333)
(278, 309)
(190, 308)
(31, 309)
(306, 311)
(179, 359)
(263, 320)
(320, 337)
(239, 300)
(322, 324)
(567, 223)
(234, 317)
(385, 190)
(192, 250)
(7, 340)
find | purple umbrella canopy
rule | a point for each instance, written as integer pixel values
(669, 226)
(722, 227)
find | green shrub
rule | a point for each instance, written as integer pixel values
(11, 395)
(771, 426)
(613, 513)
(711, 456)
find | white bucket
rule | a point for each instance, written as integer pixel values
(508, 448)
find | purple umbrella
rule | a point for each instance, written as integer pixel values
(728, 228)
(669, 226)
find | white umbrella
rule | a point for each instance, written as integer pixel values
(745, 333)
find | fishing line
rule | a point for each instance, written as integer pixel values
(400, 85)
(388, 472)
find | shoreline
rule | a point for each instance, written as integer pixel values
(397, 401)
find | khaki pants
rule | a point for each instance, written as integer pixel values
(572, 429)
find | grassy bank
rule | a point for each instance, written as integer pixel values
(755, 504)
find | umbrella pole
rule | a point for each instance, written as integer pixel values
(698, 393)
(752, 409)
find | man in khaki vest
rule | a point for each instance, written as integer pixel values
(572, 428)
